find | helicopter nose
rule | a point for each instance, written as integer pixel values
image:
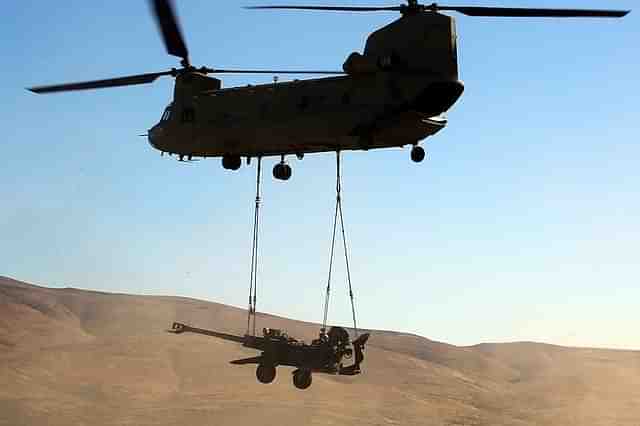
(154, 135)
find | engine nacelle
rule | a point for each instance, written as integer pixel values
(359, 64)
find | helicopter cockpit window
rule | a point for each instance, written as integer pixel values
(167, 114)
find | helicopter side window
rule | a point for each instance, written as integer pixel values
(304, 103)
(264, 108)
(385, 62)
(391, 61)
(188, 115)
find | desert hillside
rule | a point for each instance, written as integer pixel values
(70, 356)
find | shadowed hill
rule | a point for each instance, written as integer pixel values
(70, 356)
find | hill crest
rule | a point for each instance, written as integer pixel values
(72, 355)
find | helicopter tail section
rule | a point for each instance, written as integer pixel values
(438, 97)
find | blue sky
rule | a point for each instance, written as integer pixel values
(521, 225)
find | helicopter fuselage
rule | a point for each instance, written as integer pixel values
(375, 110)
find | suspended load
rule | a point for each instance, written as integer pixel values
(326, 354)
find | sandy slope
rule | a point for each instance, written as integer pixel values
(71, 356)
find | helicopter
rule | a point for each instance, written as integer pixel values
(394, 94)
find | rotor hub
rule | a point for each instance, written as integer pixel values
(413, 8)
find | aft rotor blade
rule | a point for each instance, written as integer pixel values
(170, 29)
(240, 71)
(471, 10)
(100, 84)
(514, 12)
(335, 8)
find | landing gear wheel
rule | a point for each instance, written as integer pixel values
(231, 162)
(265, 373)
(302, 379)
(417, 154)
(282, 171)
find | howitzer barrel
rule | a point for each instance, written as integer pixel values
(178, 328)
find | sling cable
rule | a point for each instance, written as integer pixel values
(251, 314)
(253, 281)
(338, 213)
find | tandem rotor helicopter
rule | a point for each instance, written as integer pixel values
(391, 95)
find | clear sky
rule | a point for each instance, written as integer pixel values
(523, 223)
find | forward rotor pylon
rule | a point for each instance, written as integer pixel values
(171, 33)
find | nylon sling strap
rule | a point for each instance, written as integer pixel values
(338, 213)
(253, 281)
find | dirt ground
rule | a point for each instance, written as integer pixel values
(70, 356)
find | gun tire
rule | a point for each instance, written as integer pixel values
(302, 379)
(265, 373)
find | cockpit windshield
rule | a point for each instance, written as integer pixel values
(166, 115)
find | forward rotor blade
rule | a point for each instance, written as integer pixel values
(170, 29)
(335, 8)
(514, 12)
(100, 84)
(239, 71)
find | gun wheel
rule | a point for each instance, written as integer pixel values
(302, 379)
(266, 373)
